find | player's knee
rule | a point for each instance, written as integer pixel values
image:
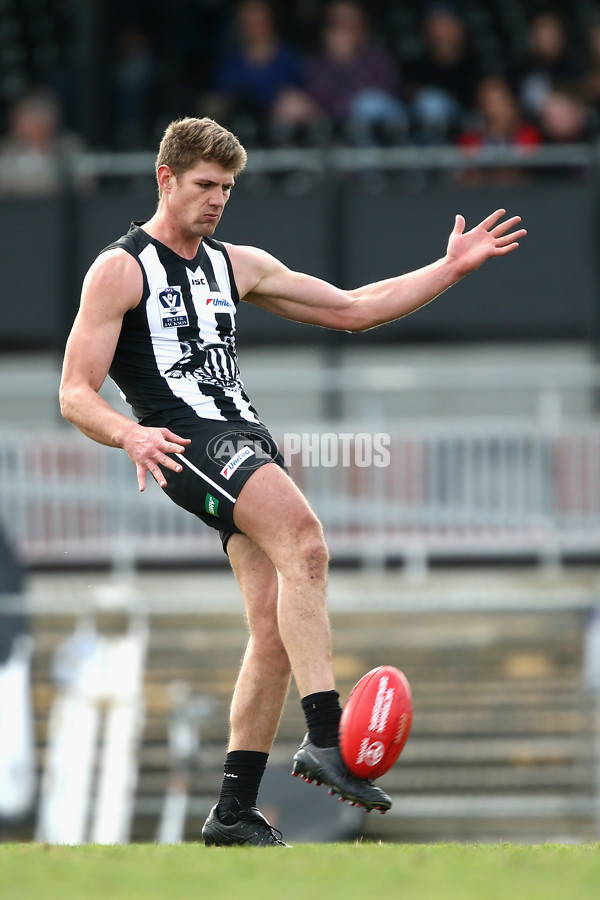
(311, 547)
(299, 546)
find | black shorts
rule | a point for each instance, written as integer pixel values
(216, 465)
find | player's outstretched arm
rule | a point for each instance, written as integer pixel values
(266, 282)
(495, 236)
(112, 286)
(466, 251)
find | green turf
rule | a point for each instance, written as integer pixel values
(307, 872)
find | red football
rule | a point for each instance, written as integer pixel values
(375, 722)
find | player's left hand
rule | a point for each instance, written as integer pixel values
(467, 250)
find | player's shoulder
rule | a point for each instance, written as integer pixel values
(233, 251)
(115, 260)
(250, 266)
(246, 254)
(114, 278)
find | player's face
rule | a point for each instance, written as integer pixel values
(198, 197)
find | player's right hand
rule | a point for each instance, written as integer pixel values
(148, 448)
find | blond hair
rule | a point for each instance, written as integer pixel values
(187, 141)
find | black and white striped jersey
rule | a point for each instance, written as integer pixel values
(176, 351)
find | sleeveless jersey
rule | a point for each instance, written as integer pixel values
(176, 351)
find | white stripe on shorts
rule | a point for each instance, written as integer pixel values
(206, 478)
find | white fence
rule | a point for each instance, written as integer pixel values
(472, 489)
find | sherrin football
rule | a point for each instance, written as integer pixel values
(375, 722)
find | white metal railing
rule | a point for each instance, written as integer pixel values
(497, 488)
(545, 387)
(388, 391)
(343, 158)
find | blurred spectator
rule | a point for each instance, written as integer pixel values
(551, 61)
(500, 124)
(34, 150)
(564, 118)
(441, 80)
(250, 78)
(354, 79)
(134, 76)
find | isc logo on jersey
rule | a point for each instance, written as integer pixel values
(236, 461)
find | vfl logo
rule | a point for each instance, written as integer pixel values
(172, 310)
(170, 298)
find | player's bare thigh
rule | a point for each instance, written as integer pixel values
(274, 513)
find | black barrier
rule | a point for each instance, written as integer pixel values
(31, 272)
(547, 290)
(11, 585)
(339, 230)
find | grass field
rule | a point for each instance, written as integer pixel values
(308, 872)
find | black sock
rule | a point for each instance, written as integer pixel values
(322, 711)
(242, 775)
